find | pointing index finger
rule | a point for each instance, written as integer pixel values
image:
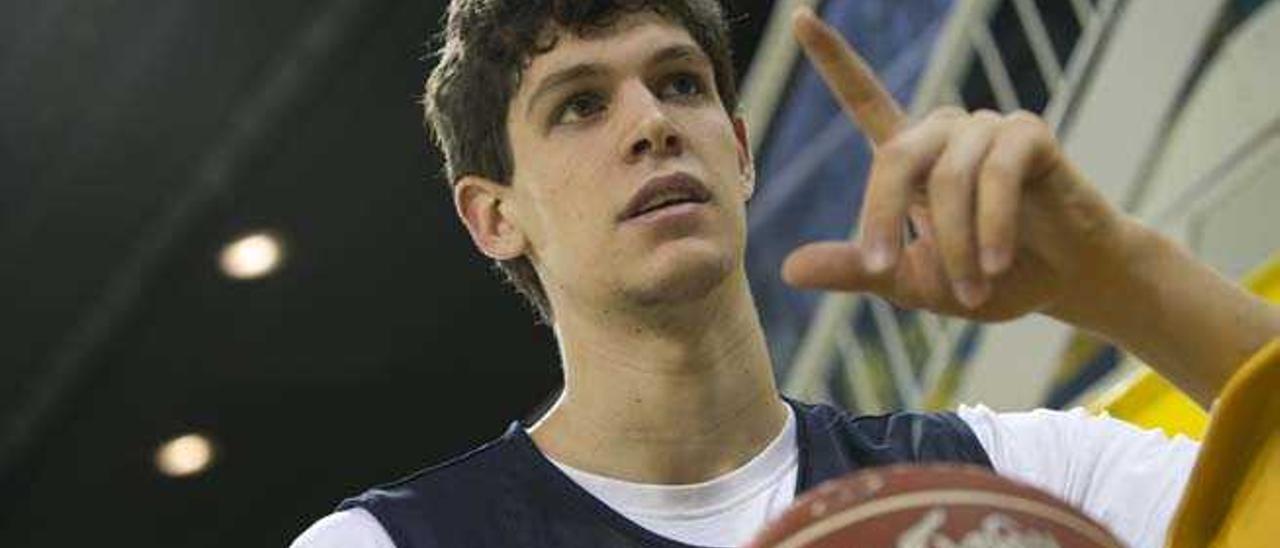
(855, 86)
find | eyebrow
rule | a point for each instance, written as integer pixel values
(566, 76)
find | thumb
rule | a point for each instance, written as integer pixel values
(835, 265)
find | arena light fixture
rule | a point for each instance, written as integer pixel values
(252, 256)
(185, 455)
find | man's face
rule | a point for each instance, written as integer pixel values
(630, 178)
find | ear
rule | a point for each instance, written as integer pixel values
(483, 206)
(745, 164)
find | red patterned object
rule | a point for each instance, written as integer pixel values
(934, 506)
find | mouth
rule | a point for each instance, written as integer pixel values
(664, 192)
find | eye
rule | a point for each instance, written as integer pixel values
(578, 108)
(683, 84)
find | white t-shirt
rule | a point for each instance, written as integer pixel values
(1129, 479)
(725, 511)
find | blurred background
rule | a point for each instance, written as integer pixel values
(234, 291)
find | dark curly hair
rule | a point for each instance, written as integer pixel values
(486, 46)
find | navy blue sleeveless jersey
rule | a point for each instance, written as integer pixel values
(507, 494)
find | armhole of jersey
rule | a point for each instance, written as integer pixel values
(353, 527)
(971, 446)
(978, 420)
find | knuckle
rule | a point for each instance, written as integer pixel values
(896, 150)
(1036, 135)
(1026, 121)
(949, 112)
(987, 115)
(1024, 116)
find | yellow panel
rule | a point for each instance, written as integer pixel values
(1150, 401)
(1265, 280)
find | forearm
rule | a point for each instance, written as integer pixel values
(1176, 314)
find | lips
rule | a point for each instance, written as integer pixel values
(665, 191)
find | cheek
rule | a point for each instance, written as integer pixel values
(569, 212)
(721, 147)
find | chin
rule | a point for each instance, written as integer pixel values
(685, 272)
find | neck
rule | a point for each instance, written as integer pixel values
(679, 396)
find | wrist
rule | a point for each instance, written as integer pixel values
(1176, 314)
(1116, 290)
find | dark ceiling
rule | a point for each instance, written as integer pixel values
(137, 138)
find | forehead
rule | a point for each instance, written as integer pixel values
(628, 41)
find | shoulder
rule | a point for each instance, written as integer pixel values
(354, 528)
(893, 437)
(471, 472)
(441, 503)
(883, 425)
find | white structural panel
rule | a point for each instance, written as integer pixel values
(1239, 230)
(1135, 89)
(1216, 183)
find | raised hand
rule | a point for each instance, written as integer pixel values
(1004, 224)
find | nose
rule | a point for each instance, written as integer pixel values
(654, 134)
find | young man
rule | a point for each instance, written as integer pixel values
(611, 186)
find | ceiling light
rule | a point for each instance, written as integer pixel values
(184, 455)
(253, 256)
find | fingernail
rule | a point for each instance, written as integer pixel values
(994, 260)
(970, 293)
(878, 257)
